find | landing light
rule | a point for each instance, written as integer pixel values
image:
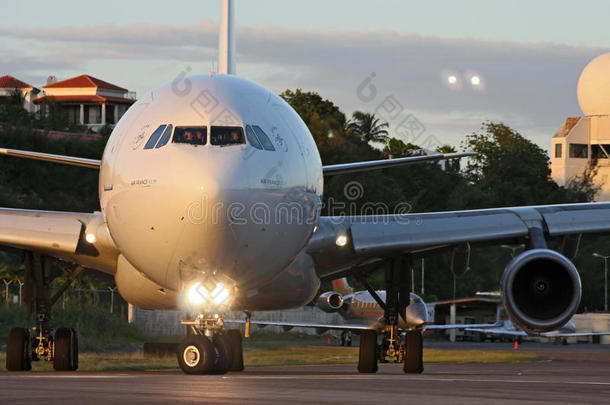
(90, 237)
(341, 240)
(198, 294)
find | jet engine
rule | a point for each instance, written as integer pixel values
(330, 301)
(541, 290)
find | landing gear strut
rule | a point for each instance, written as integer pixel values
(208, 348)
(396, 302)
(24, 347)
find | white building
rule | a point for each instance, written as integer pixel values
(584, 142)
(8, 84)
(89, 101)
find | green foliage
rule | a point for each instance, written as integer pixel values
(511, 170)
(12, 111)
(98, 329)
(397, 148)
(32, 184)
(368, 127)
(105, 131)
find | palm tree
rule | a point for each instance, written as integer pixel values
(368, 127)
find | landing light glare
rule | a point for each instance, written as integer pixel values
(341, 240)
(198, 294)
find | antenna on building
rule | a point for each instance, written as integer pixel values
(226, 43)
(51, 79)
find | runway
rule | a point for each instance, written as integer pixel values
(527, 382)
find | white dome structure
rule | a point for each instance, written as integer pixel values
(594, 87)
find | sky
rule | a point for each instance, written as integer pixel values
(394, 58)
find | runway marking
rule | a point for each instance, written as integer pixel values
(402, 378)
(65, 376)
(523, 380)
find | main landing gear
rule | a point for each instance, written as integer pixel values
(59, 346)
(391, 349)
(208, 348)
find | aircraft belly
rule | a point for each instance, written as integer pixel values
(292, 288)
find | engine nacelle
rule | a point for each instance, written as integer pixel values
(541, 290)
(330, 301)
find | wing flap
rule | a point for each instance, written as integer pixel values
(61, 235)
(41, 232)
(577, 218)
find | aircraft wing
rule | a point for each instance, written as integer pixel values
(328, 170)
(321, 326)
(552, 334)
(377, 236)
(60, 234)
(343, 168)
(497, 331)
(48, 157)
(461, 326)
(287, 325)
(573, 334)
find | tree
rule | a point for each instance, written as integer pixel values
(397, 148)
(368, 127)
(509, 169)
(12, 111)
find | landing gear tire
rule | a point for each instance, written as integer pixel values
(224, 355)
(18, 350)
(414, 361)
(196, 355)
(66, 350)
(236, 349)
(367, 358)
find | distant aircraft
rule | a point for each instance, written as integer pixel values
(210, 191)
(506, 328)
(365, 315)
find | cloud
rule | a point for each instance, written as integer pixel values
(529, 86)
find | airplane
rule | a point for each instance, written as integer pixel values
(232, 220)
(507, 328)
(364, 312)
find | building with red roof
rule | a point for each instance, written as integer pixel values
(8, 84)
(89, 101)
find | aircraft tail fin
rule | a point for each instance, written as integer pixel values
(342, 287)
(226, 48)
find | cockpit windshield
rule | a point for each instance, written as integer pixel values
(224, 136)
(191, 135)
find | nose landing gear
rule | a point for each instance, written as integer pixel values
(208, 348)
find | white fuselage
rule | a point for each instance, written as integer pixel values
(183, 211)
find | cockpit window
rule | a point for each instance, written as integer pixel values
(252, 139)
(165, 138)
(262, 136)
(224, 136)
(191, 135)
(152, 141)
